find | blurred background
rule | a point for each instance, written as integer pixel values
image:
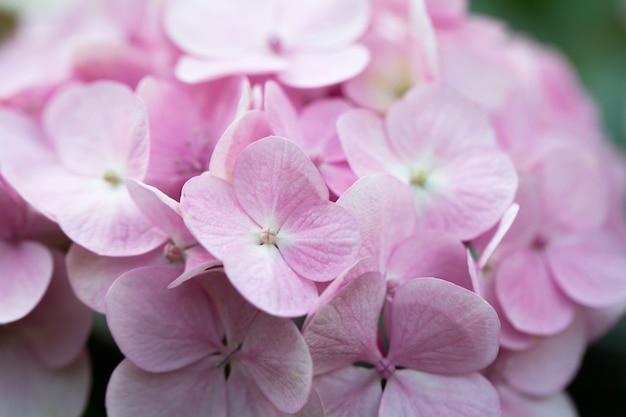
(592, 34)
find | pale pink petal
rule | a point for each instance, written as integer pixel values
(57, 329)
(590, 268)
(194, 70)
(281, 113)
(530, 218)
(468, 193)
(344, 330)
(550, 365)
(263, 277)
(197, 261)
(501, 230)
(319, 241)
(157, 328)
(529, 297)
(515, 404)
(99, 127)
(30, 389)
(162, 210)
(575, 188)
(211, 212)
(91, 275)
(27, 270)
(319, 69)
(13, 210)
(272, 177)
(318, 120)
(383, 207)
(436, 121)
(510, 337)
(430, 254)
(219, 28)
(364, 140)
(236, 315)
(245, 399)
(107, 221)
(409, 393)
(349, 392)
(276, 357)
(250, 127)
(443, 328)
(189, 391)
(323, 24)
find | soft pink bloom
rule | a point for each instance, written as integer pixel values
(201, 347)
(273, 227)
(43, 365)
(306, 44)
(72, 167)
(439, 333)
(442, 147)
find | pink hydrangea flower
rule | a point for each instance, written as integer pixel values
(202, 347)
(306, 44)
(72, 168)
(273, 228)
(436, 336)
(442, 146)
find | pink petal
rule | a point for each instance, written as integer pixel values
(272, 177)
(319, 241)
(27, 272)
(528, 295)
(442, 328)
(410, 393)
(91, 275)
(159, 329)
(163, 211)
(193, 70)
(590, 268)
(320, 69)
(467, 194)
(190, 391)
(211, 212)
(575, 188)
(263, 278)
(344, 329)
(378, 202)
(250, 127)
(57, 329)
(436, 120)
(430, 254)
(363, 137)
(550, 365)
(501, 230)
(516, 405)
(30, 389)
(350, 391)
(218, 28)
(323, 24)
(118, 228)
(197, 261)
(281, 113)
(99, 127)
(276, 357)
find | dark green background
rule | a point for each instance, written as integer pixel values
(592, 33)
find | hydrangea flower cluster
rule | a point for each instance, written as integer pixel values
(312, 208)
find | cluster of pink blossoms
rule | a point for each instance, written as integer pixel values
(336, 208)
